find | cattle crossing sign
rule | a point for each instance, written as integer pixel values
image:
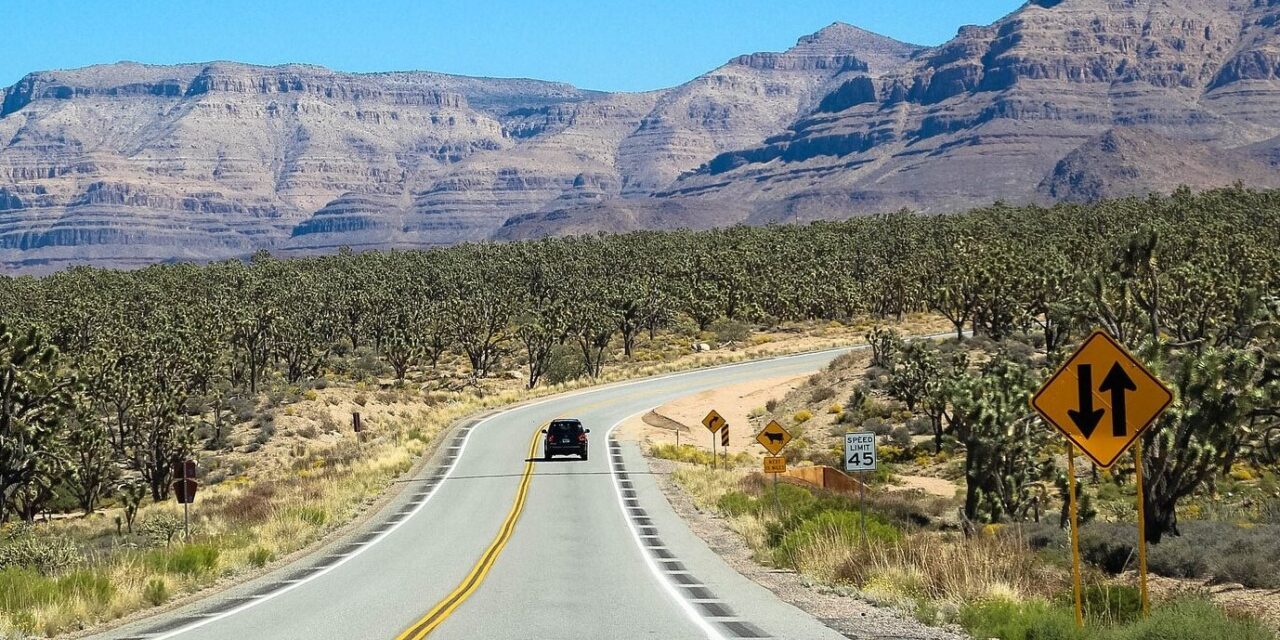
(773, 437)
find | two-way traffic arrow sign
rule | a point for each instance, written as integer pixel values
(1129, 394)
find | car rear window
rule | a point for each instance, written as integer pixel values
(565, 428)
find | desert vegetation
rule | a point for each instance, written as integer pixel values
(994, 558)
(108, 375)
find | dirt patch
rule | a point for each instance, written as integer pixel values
(684, 416)
(1263, 604)
(929, 485)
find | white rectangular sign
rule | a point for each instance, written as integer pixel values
(860, 451)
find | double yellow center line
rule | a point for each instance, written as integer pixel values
(439, 613)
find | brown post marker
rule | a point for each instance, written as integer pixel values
(713, 450)
(1142, 530)
(1075, 533)
(355, 422)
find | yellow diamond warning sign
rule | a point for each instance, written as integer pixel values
(713, 421)
(773, 437)
(1102, 399)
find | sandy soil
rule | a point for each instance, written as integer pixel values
(929, 485)
(685, 415)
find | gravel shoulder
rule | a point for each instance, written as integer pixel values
(849, 614)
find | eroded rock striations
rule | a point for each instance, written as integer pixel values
(127, 164)
(1070, 99)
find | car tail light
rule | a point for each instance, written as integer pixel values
(582, 437)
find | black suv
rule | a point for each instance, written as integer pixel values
(565, 437)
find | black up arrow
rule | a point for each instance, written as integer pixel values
(1118, 382)
(1086, 418)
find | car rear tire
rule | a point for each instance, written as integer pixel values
(584, 454)
(546, 455)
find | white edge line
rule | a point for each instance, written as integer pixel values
(667, 584)
(449, 471)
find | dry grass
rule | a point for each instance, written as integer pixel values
(942, 568)
(945, 568)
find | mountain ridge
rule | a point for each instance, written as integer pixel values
(127, 164)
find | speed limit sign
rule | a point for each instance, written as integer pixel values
(860, 451)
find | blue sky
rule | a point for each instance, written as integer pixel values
(594, 44)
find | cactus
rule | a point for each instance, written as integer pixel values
(1003, 473)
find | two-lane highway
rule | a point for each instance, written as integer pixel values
(492, 542)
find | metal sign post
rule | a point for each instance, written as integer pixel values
(184, 489)
(1142, 531)
(860, 457)
(1075, 534)
(1103, 399)
(773, 438)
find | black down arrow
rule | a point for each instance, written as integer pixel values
(1087, 418)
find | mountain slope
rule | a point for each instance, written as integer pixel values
(991, 114)
(127, 164)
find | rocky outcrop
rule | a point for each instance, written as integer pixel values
(1136, 162)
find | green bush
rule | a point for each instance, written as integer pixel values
(730, 331)
(1219, 550)
(1179, 557)
(1109, 546)
(23, 589)
(736, 503)
(46, 554)
(844, 526)
(188, 560)
(259, 557)
(156, 592)
(1109, 603)
(159, 529)
(1191, 620)
(1007, 620)
(682, 453)
(565, 365)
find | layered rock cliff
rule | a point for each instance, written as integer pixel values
(1019, 110)
(127, 164)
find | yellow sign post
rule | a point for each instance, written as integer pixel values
(714, 422)
(773, 437)
(1102, 399)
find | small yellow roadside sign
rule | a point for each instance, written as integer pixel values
(775, 464)
(1102, 399)
(773, 437)
(713, 421)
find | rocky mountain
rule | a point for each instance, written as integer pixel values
(1073, 99)
(127, 164)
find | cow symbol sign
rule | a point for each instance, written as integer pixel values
(1102, 399)
(773, 437)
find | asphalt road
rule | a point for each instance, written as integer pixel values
(492, 543)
